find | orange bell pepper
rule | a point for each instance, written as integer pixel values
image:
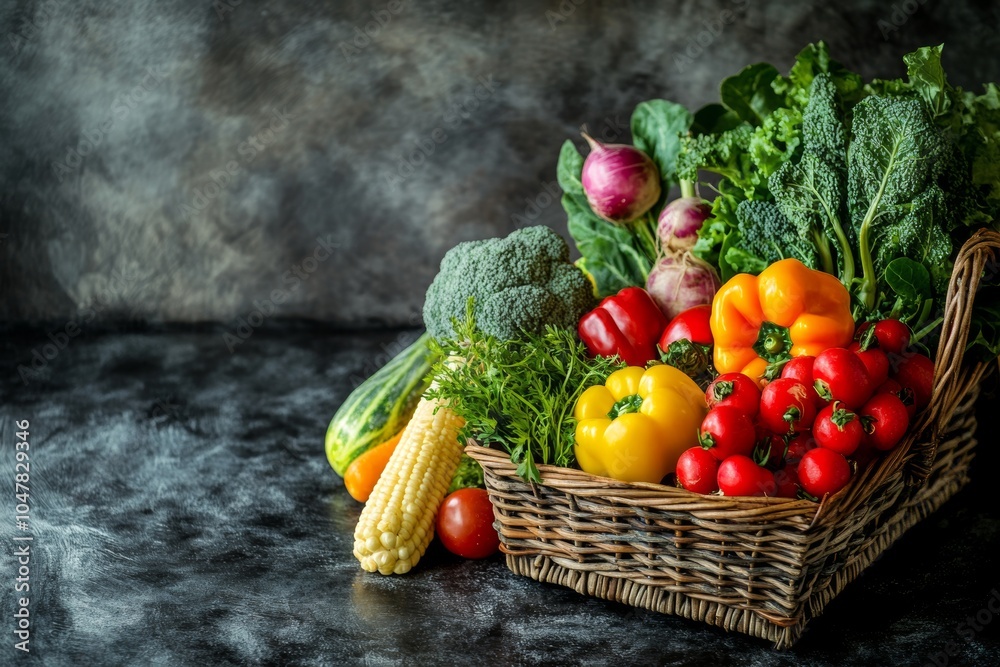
(789, 310)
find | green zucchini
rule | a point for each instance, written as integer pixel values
(380, 406)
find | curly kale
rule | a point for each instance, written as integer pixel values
(767, 235)
(518, 284)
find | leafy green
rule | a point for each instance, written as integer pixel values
(657, 126)
(749, 94)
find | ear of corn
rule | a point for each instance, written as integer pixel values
(397, 522)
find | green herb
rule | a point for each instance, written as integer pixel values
(468, 475)
(518, 395)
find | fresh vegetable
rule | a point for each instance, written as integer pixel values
(734, 390)
(916, 372)
(904, 394)
(686, 343)
(364, 471)
(520, 283)
(876, 363)
(693, 324)
(468, 475)
(627, 324)
(838, 429)
(798, 446)
(636, 425)
(698, 470)
(465, 524)
(893, 336)
(742, 476)
(380, 406)
(801, 369)
(786, 481)
(787, 311)
(786, 407)
(396, 524)
(823, 471)
(621, 182)
(886, 421)
(842, 376)
(727, 431)
(680, 282)
(679, 222)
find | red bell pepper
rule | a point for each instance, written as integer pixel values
(627, 324)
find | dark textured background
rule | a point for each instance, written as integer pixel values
(168, 93)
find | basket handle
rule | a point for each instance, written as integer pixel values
(952, 378)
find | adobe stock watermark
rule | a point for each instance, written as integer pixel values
(389, 350)
(562, 13)
(457, 114)
(364, 36)
(121, 107)
(967, 631)
(29, 27)
(711, 30)
(901, 13)
(291, 279)
(222, 177)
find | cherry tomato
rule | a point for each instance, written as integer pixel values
(741, 476)
(905, 394)
(801, 369)
(865, 454)
(726, 431)
(786, 407)
(798, 446)
(786, 482)
(698, 471)
(893, 336)
(822, 471)
(465, 524)
(876, 363)
(691, 324)
(916, 371)
(886, 421)
(838, 429)
(841, 376)
(735, 390)
(775, 449)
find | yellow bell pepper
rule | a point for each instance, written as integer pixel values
(789, 310)
(636, 425)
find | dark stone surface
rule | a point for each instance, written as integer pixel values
(119, 118)
(184, 513)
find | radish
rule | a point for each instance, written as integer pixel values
(680, 221)
(621, 182)
(681, 281)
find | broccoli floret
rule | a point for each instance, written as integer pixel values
(520, 283)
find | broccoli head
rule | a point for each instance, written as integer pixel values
(520, 283)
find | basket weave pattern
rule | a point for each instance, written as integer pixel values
(760, 566)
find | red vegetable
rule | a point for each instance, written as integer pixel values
(741, 476)
(798, 446)
(838, 429)
(627, 324)
(726, 431)
(692, 324)
(893, 336)
(621, 182)
(842, 376)
(905, 394)
(786, 482)
(876, 363)
(698, 470)
(801, 369)
(822, 471)
(465, 524)
(786, 407)
(886, 421)
(916, 371)
(734, 390)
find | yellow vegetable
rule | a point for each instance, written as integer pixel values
(636, 426)
(397, 522)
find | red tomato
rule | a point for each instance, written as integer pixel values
(822, 471)
(876, 363)
(893, 336)
(735, 390)
(798, 446)
(698, 471)
(887, 421)
(801, 369)
(905, 394)
(691, 324)
(786, 407)
(838, 429)
(741, 476)
(865, 454)
(775, 449)
(916, 371)
(842, 376)
(726, 431)
(465, 524)
(786, 482)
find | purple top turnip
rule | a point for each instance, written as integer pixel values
(621, 182)
(681, 281)
(680, 221)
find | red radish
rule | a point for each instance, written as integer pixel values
(838, 429)
(893, 336)
(698, 470)
(876, 362)
(735, 390)
(886, 421)
(916, 371)
(842, 376)
(680, 282)
(680, 221)
(801, 369)
(786, 407)
(905, 394)
(798, 446)
(822, 471)
(726, 431)
(621, 182)
(741, 476)
(692, 324)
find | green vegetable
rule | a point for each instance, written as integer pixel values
(468, 475)
(380, 406)
(520, 283)
(518, 394)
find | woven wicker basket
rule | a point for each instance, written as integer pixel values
(760, 566)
